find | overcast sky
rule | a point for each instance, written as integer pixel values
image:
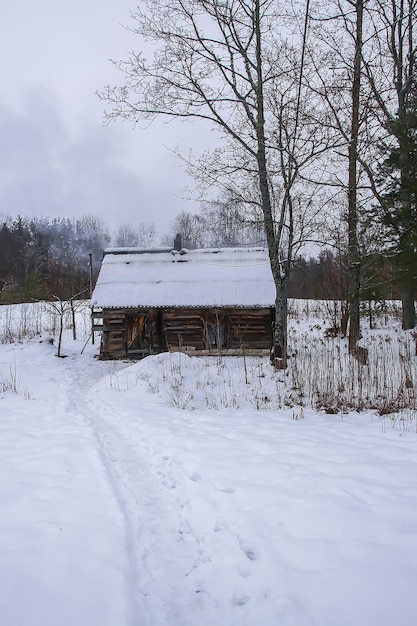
(57, 158)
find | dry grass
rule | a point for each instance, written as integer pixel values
(321, 374)
(324, 375)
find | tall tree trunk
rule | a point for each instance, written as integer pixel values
(408, 307)
(279, 355)
(279, 350)
(353, 246)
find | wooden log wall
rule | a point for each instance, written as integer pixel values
(250, 328)
(175, 328)
(113, 338)
(242, 328)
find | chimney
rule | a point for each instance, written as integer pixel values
(178, 242)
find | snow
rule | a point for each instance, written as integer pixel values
(121, 508)
(195, 278)
(63, 538)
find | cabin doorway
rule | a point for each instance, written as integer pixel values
(137, 336)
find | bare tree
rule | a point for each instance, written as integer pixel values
(371, 46)
(220, 61)
(142, 235)
(339, 29)
(64, 309)
(228, 222)
(146, 233)
(192, 227)
(222, 222)
(354, 277)
(125, 236)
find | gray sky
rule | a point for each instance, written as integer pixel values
(56, 156)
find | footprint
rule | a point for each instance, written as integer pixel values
(240, 600)
(250, 551)
(225, 489)
(195, 477)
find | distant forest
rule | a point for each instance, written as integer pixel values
(41, 258)
(46, 258)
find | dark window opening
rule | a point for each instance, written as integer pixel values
(216, 335)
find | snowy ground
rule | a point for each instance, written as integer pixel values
(120, 508)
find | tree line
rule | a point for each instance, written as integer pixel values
(50, 259)
(43, 258)
(317, 273)
(314, 104)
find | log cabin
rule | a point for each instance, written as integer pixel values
(207, 301)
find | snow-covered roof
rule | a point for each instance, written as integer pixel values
(186, 278)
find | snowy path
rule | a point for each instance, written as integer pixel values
(162, 549)
(120, 510)
(63, 554)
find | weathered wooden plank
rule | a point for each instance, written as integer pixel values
(238, 329)
(107, 328)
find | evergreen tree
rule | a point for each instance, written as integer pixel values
(399, 171)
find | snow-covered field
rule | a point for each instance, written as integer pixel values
(180, 491)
